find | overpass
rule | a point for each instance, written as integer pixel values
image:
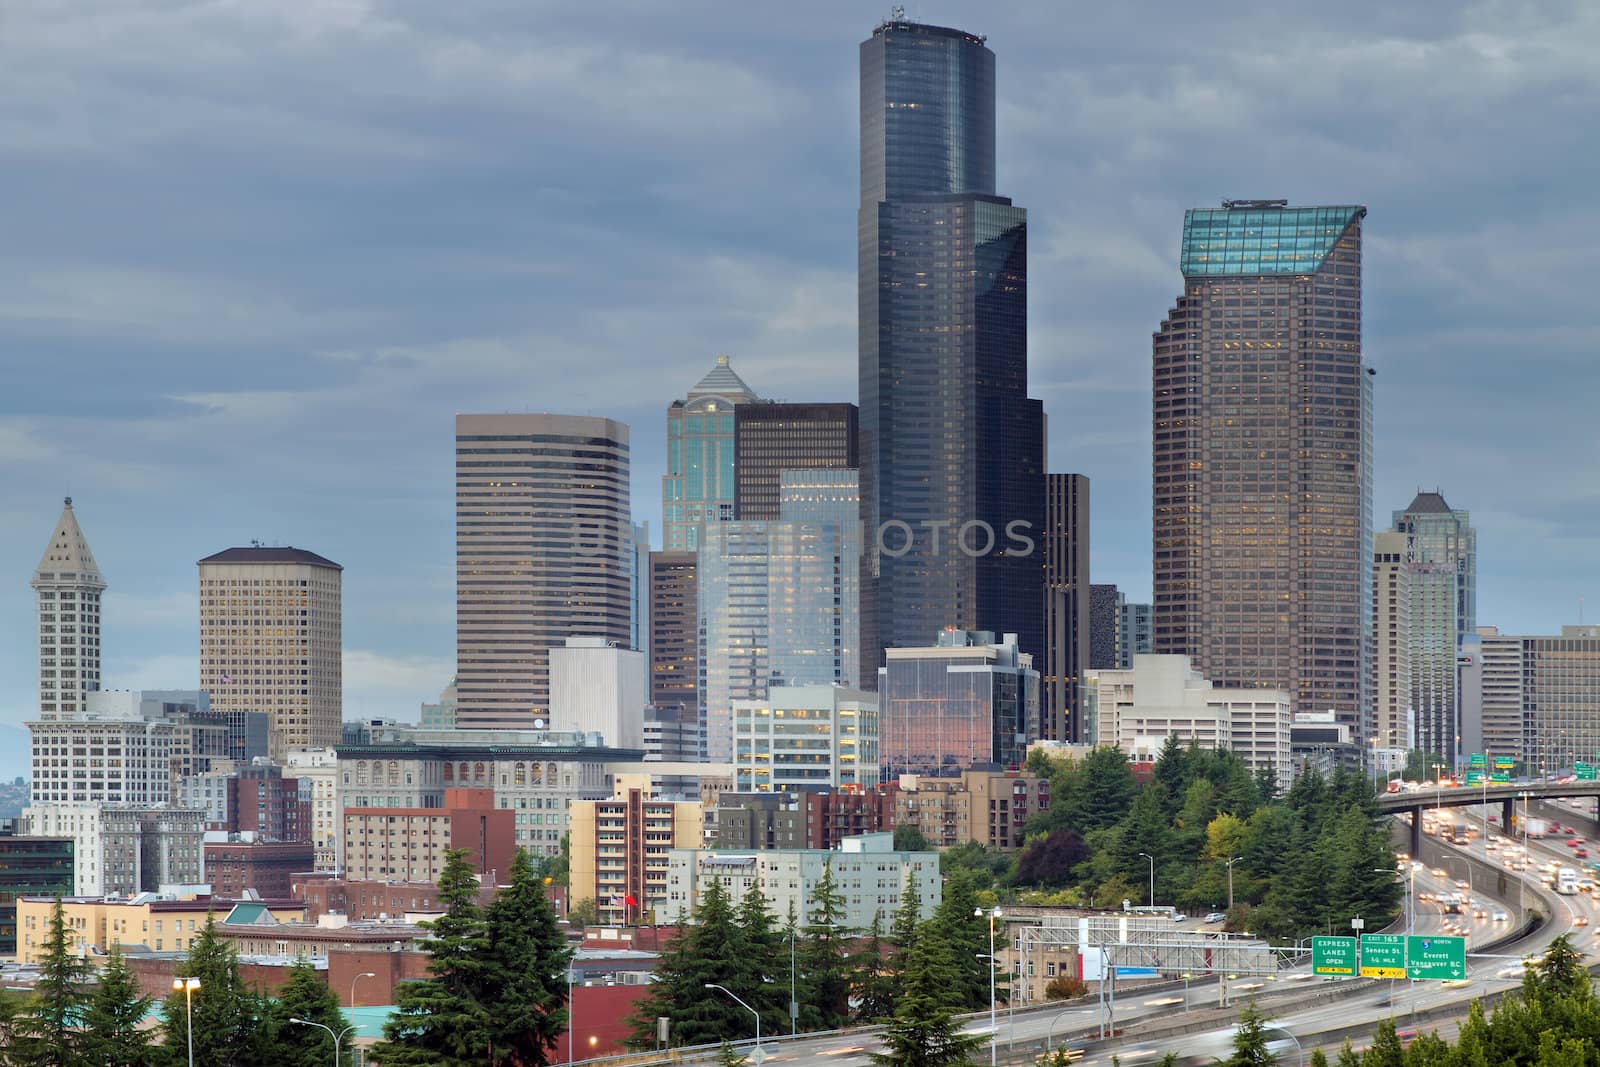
(1504, 794)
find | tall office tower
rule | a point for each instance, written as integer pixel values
(1536, 699)
(674, 632)
(1262, 457)
(1134, 633)
(67, 586)
(1391, 627)
(542, 554)
(770, 438)
(1441, 550)
(271, 640)
(779, 602)
(1066, 606)
(1106, 632)
(952, 448)
(699, 484)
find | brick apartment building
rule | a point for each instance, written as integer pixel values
(409, 844)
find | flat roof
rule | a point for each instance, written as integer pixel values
(286, 554)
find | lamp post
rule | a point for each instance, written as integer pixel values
(994, 1029)
(188, 985)
(353, 981)
(759, 1054)
(1299, 1053)
(571, 1018)
(794, 1005)
(1152, 860)
(1229, 865)
(337, 1037)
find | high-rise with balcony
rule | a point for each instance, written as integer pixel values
(1262, 432)
(67, 585)
(952, 448)
(1441, 554)
(701, 481)
(542, 554)
(271, 641)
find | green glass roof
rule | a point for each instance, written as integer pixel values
(1251, 239)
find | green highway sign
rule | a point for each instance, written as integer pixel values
(1500, 778)
(1383, 956)
(1333, 955)
(1585, 772)
(1434, 958)
(1478, 759)
(1475, 777)
(1504, 764)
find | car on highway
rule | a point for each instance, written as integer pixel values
(1580, 920)
(1581, 853)
(1438, 872)
(1500, 915)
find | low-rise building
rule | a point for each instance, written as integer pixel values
(868, 874)
(237, 864)
(30, 866)
(620, 849)
(256, 930)
(805, 737)
(409, 844)
(159, 922)
(124, 849)
(989, 807)
(320, 768)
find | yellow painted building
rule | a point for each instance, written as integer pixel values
(94, 924)
(621, 848)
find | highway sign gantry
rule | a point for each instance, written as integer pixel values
(1333, 955)
(1383, 956)
(1435, 958)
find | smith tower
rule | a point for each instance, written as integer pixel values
(1262, 433)
(952, 448)
(67, 585)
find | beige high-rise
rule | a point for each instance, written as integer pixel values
(542, 554)
(271, 640)
(67, 585)
(1391, 625)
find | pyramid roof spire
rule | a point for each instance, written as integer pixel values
(721, 381)
(1428, 504)
(67, 558)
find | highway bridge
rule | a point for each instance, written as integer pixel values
(1506, 795)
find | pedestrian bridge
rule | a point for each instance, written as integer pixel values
(1504, 794)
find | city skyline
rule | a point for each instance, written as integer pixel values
(297, 393)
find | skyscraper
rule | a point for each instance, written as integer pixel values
(952, 448)
(1107, 634)
(271, 640)
(542, 554)
(771, 437)
(1066, 606)
(699, 485)
(1391, 627)
(779, 602)
(1262, 457)
(674, 632)
(1441, 554)
(67, 586)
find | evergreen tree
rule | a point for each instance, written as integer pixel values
(706, 951)
(765, 955)
(874, 982)
(524, 971)
(966, 935)
(923, 1032)
(824, 960)
(111, 1032)
(1250, 1040)
(442, 1020)
(231, 1028)
(305, 995)
(49, 1033)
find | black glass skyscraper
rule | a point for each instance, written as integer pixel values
(952, 448)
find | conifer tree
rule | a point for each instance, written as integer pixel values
(1250, 1047)
(111, 1032)
(441, 1021)
(706, 951)
(966, 935)
(875, 984)
(924, 1032)
(49, 1035)
(525, 970)
(306, 995)
(826, 1003)
(231, 1028)
(766, 958)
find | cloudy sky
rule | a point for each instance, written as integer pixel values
(257, 254)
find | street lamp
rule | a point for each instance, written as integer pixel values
(1411, 900)
(759, 1054)
(188, 985)
(1229, 865)
(1152, 860)
(794, 1005)
(353, 981)
(994, 1029)
(1299, 1053)
(337, 1037)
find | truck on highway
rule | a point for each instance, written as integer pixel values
(1536, 827)
(1566, 881)
(1457, 832)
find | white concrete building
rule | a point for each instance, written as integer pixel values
(123, 849)
(67, 587)
(598, 687)
(1164, 696)
(93, 758)
(867, 873)
(805, 737)
(270, 640)
(321, 767)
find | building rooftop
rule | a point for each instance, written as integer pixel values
(721, 380)
(68, 553)
(1248, 237)
(263, 554)
(1428, 504)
